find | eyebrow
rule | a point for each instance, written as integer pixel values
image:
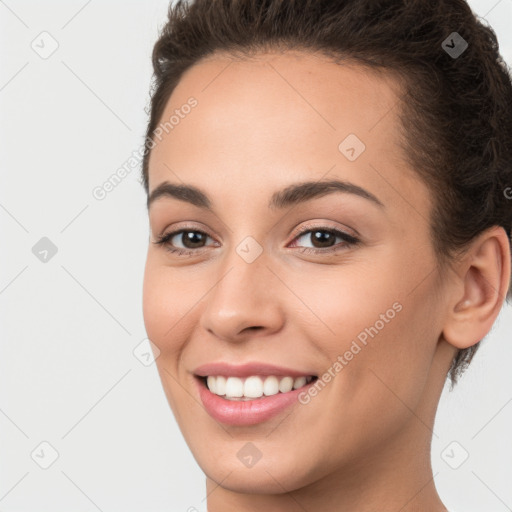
(289, 196)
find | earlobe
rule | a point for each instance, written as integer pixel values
(483, 276)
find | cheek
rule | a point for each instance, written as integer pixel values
(155, 301)
(344, 305)
(165, 319)
(372, 320)
(163, 305)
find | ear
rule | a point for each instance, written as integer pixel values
(479, 290)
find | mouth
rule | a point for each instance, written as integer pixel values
(253, 387)
(251, 400)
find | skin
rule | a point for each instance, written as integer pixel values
(363, 443)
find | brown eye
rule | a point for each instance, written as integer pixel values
(323, 240)
(191, 239)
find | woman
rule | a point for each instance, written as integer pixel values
(330, 212)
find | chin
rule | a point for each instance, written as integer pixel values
(273, 475)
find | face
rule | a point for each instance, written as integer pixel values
(337, 283)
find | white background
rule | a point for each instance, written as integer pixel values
(69, 326)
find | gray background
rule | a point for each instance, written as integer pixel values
(70, 324)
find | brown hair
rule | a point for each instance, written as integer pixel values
(456, 122)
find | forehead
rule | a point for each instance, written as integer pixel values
(276, 118)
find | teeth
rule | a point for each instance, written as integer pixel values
(286, 384)
(299, 382)
(220, 385)
(234, 387)
(211, 381)
(253, 386)
(271, 386)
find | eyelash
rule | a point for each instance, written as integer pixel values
(349, 240)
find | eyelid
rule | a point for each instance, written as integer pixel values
(185, 227)
(323, 225)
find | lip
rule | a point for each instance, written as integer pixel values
(250, 412)
(248, 369)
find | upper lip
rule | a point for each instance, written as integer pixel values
(247, 369)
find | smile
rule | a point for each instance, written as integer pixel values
(254, 386)
(245, 410)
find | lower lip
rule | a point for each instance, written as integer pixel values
(249, 412)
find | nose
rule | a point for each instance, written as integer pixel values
(243, 301)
